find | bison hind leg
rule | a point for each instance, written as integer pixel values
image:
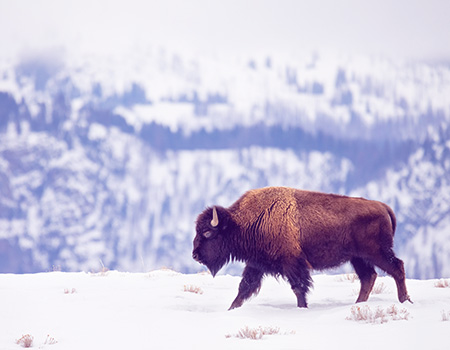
(395, 267)
(367, 277)
(300, 280)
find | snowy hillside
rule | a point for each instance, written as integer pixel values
(107, 160)
(164, 309)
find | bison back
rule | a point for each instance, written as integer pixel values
(333, 228)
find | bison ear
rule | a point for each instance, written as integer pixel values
(215, 219)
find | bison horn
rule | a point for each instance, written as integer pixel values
(215, 219)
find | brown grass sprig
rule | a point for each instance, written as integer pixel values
(256, 333)
(50, 340)
(350, 277)
(26, 341)
(442, 283)
(70, 291)
(379, 315)
(192, 289)
(379, 288)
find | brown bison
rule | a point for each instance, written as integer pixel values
(286, 232)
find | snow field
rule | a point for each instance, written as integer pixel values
(164, 309)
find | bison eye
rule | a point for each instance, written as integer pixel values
(207, 234)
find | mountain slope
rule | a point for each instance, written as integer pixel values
(108, 162)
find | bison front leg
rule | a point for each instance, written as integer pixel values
(300, 280)
(250, 284)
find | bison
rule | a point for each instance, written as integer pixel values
(287, 232)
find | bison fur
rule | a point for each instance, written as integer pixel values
(286, 232)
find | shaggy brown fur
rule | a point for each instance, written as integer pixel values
(286, 232)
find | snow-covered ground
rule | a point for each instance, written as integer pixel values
(164, 309)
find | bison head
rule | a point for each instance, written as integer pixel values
(210, 243)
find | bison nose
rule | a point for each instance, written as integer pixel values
(195, 256)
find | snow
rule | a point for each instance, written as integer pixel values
(117, 310)
(164, 113)
(381, 89)
(97, 132)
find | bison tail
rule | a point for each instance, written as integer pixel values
(393, 219)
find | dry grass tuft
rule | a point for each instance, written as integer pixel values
(445, 315)
(397, 314)
(367, 315)
(350, 277)
(255, 333)
(50, 340)
(26, 341)
(102, 273)
(379, 288)
(442, 283)
(70, 291)
(192, 289)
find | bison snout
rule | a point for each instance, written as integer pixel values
(195, 256)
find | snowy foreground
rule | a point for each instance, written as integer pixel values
(164, 309)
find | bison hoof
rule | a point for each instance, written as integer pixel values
(406, 298)
(235, 305)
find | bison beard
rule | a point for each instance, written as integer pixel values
(286, 232)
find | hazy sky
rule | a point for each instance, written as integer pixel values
(417, 29)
